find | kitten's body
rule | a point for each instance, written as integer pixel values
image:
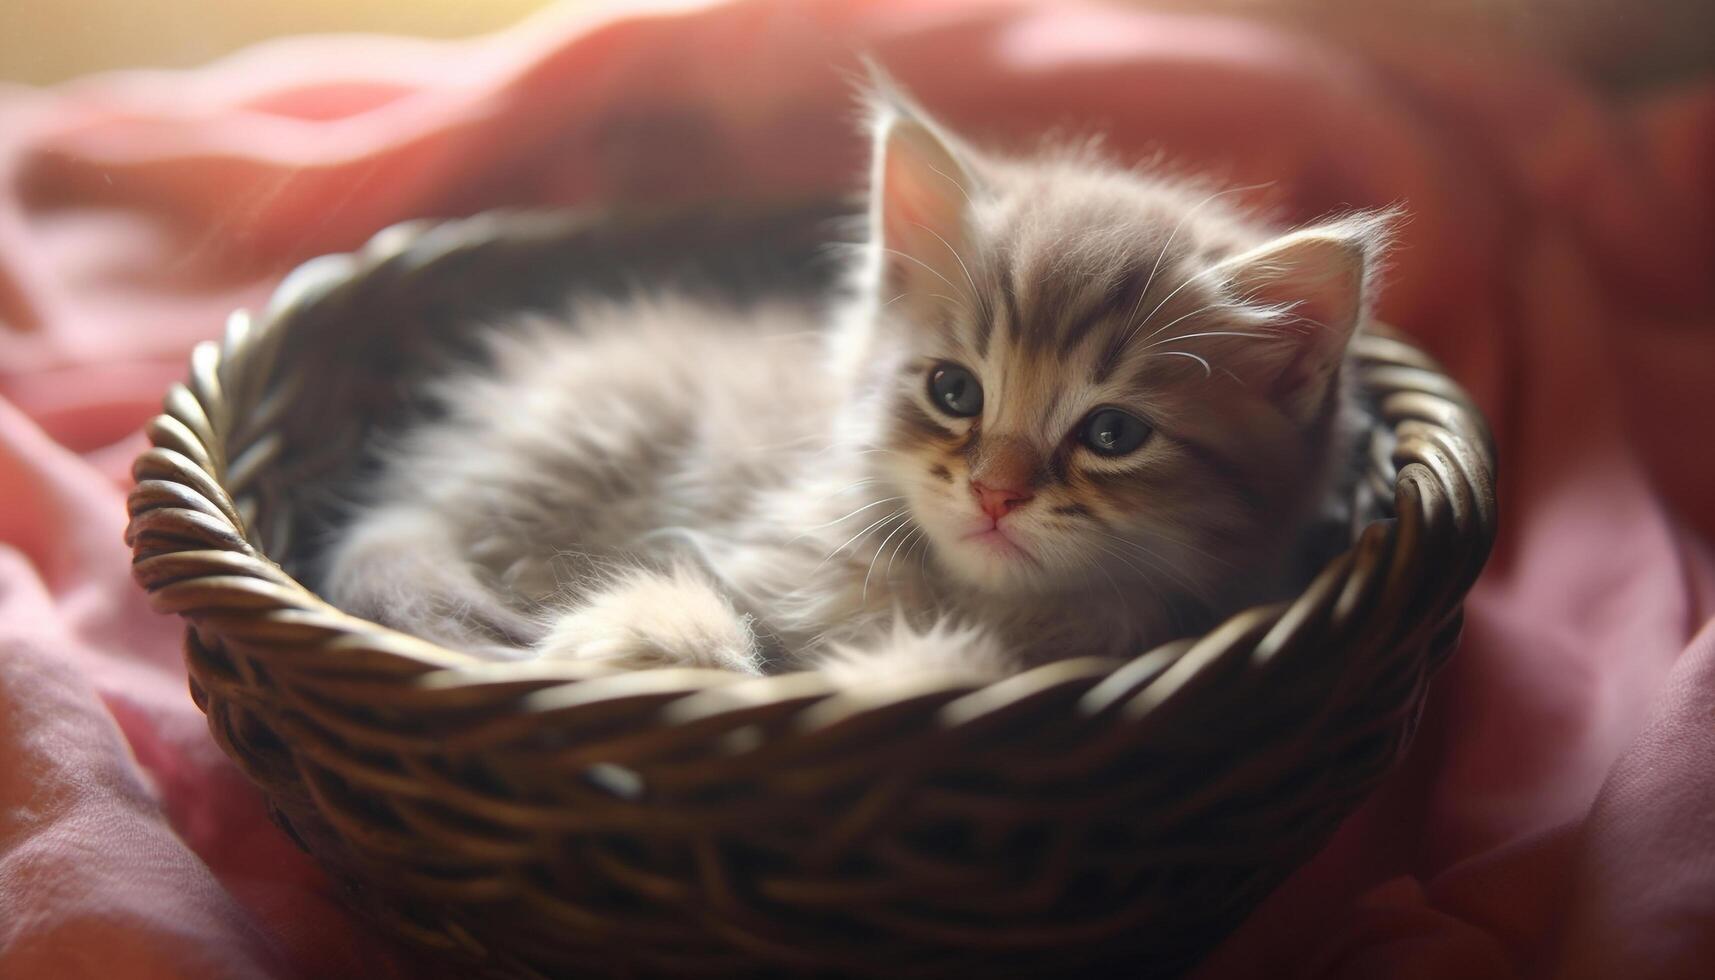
(673, 482)
(656, 440)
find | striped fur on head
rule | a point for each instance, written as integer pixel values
(1067, 286)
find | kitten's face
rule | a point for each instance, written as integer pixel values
(1089, 378)
(1042, 439)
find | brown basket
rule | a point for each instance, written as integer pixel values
(532, 819)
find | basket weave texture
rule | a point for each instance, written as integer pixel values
(558, 819)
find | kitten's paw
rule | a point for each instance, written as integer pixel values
(969, 652)
(648, 619)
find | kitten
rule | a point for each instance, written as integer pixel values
(1066, 410)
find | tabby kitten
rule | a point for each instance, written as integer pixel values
(1067, 409)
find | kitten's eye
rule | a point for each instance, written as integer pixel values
(1111, 432)
(955, 390)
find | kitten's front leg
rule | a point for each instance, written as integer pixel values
(645, 619)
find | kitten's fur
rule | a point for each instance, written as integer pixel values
(672, 483)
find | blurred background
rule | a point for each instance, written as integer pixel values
(1620, 43)
(45, 41)
(1557, 810)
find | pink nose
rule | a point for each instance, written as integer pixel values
(997, 502)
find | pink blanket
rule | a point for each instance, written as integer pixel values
(1556, 818)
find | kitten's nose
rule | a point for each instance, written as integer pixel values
(997, 502)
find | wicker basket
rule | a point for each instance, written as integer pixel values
(530, 819)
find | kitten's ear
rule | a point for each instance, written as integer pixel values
(1310, 291)
(921, 194)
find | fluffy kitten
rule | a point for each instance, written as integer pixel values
(1067, 410)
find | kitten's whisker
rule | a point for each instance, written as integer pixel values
(1154, 560)
(976, 294)
(1179, 319)
(1193, 277)
(867, 451)
(1196, 590)
(842, 520)
(1104, 549)
(878, 553)
(1208, 333)
(916, 533)
(1187, 584)
(1164, 300)
(924, 264)
(953, 300)
(858, 535)
(1295, 319)
(923, 565)
(1182, 543)
(922, 547)
(1109, 576)
(950, 180)
(848, 487)
(1208, 372)
(1150, 281)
